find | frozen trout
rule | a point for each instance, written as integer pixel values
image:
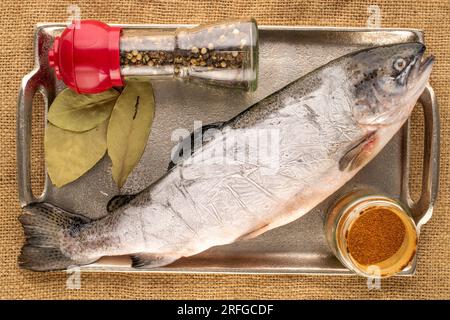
(324, 127)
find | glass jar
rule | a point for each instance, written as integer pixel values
(223, 53)
(342, 217)
(91, 56)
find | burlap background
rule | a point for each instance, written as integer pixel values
(16, 30)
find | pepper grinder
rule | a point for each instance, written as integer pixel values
(91, 56)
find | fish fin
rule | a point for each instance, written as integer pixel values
(192, 140)
(356, 155)
(255, 233)
(149, 260)
(43, 224)
(119, 201)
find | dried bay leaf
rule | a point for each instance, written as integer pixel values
(69, 154)
(129, 128)
(81, 112)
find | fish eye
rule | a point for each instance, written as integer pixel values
(399, 64)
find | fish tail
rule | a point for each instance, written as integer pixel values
(45, 226)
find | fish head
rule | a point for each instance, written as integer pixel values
(387, 81)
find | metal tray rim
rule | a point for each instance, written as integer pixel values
(433, 162)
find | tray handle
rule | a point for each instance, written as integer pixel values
(423, 209)
(31, 83)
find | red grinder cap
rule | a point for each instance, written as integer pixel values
(86, 56)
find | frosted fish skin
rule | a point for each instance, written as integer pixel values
(326, 126)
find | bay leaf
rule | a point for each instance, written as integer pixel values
(129, 128)
(69, 154)
(81, 112)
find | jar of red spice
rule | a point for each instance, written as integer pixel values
(371, 234)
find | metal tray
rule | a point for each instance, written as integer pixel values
(286, 53)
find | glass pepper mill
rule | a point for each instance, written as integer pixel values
(91, 56)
